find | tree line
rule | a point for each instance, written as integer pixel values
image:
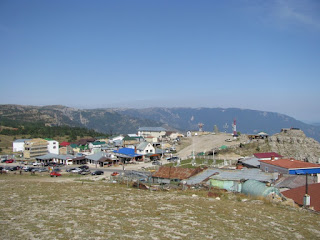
(39, 129)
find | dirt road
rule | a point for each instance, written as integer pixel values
(206, 143)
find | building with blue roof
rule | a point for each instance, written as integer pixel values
(127, 154)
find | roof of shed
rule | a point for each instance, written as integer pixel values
(53, 155)
(97, 156)
(251, 161)
(290, 163)
(294, 181)
(176, 172)
(234, 174)
(297, 195)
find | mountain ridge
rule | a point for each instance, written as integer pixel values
(128, 120)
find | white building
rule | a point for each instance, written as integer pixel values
(53, 146)
(155, 132)
(145, 148)
(18, 145)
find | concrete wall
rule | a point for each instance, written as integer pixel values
(271, 168)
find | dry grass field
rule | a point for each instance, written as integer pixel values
(40, 207)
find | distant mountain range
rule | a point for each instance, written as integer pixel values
(120, 120)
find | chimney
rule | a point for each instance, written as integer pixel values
(291, 159)
(272, 157)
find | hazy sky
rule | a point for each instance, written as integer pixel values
(262, 55)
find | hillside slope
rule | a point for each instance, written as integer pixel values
(101, 120)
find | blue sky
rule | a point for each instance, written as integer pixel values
(262, 55)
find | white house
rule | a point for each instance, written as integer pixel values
(18, 145)
(53, 146)
(145, 148)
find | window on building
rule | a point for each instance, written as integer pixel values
(146, 151)
(266, 169)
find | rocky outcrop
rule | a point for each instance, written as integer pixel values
(294, 143)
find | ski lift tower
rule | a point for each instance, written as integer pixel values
(200, 127)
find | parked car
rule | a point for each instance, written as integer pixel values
(84, 167)
(156, 163)
(15, 168)
(36, 164)
(98, 172)
(84, 172)
(56, 170)
(55, 174)
(43, 170)
(172, 159)
(9, 161)
(115, 174)
(76, 170)
(70, 169)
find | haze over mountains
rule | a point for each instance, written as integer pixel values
(120, 120)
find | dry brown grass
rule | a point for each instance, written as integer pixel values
(45, 208)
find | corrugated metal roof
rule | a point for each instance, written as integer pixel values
(290, 163)
(254, 162)
(52, 155)
(176, 172)
(201, 176)
(236, 175)
(97, 156)
(297, 195)
(294, 181)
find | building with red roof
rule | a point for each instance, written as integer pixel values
(297, 194)
(289, 166)
(267, 156)
(64, 144)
